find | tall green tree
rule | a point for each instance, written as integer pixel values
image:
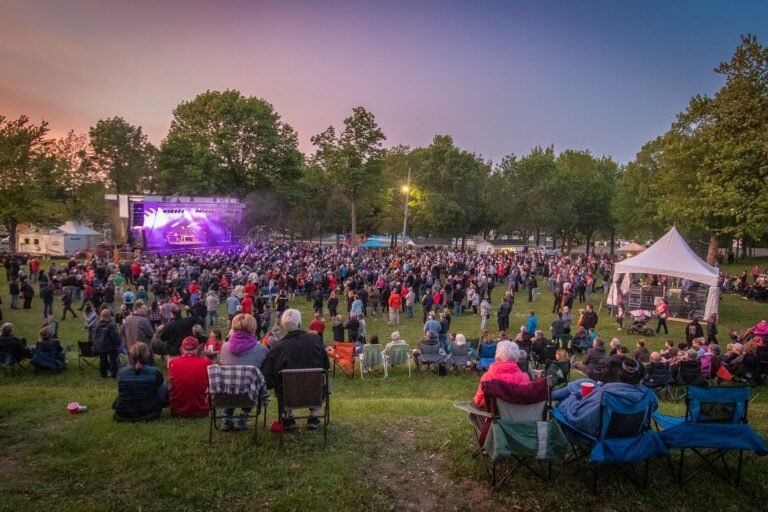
(712, 165)
(352, 160)
(224, 143)
(124, 154)
(26, 174)
(453, 182)
(80, 184)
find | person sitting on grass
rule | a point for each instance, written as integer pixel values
(213, 345)
(242, 348)
(595, 363)
(641, 355)
(188, 380)
(49, 354)
(141, 392)
(583, 413)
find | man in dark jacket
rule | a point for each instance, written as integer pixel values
(589, 320)
(693, 330)
(176, 330)
(11, 345)
(298, 349)
(595, 363)
(505, 308)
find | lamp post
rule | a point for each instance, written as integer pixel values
(407, 191)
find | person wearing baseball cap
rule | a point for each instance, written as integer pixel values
(188, 380)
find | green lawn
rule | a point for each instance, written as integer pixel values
(394, 445)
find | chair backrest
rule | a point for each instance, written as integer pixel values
(344, 350)
(559, 370)
(372, 355)
(429, 348)
(622, 418)
(304, 388)
(86, 349)
(459, 350)
(399, 354)
(487, 350)
(521, 413)
(717, 404)
(690, 372)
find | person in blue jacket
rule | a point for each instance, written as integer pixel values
(583, 413)
(532, 324)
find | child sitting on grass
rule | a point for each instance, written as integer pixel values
(213, 345)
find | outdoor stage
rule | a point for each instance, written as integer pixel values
(167, 224)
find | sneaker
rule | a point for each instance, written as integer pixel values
(313, 423)
(242, 424)
(289, 425)
(227, 425)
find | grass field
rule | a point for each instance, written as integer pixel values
(396, 444)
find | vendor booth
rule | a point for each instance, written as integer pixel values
(668, 269)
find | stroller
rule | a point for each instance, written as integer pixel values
(639, 318)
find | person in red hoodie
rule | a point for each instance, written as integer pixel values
(504, 369)
(247, 304)
(188, 378)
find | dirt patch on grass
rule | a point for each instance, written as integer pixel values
(420, 480)
(9, 464)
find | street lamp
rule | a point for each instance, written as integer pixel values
(407, 191)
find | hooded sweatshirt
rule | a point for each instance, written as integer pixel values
(504, 371)
(243, 348)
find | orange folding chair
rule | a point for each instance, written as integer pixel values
(343, 355)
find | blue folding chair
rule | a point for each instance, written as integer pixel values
(624, 436)
(715, 423)
(486, 355)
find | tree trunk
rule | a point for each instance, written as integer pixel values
(586, 244)
(712, 251)
(12, 226)
(353, 213)
(463, 242)
(393, 241)
(613, 241)
(538, 237)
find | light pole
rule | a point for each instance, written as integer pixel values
(407, 191)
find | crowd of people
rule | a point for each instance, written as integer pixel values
(168, 306)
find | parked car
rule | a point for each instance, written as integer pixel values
(100, 251)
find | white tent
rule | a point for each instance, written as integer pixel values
(669, 256)
(632, 247)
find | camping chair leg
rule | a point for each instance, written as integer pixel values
(738, 470)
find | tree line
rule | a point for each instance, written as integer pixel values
(706, 174)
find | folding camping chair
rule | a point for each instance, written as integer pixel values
(399, 355)
(305, 389)
(515, 430)
(486, 355)
(459, 359)
(343, 356)
(9, 364)
(371, 357)
(715, 423)
(236, 386)
(624, 437)
(428, 355)
(86, 355)
(559, 371)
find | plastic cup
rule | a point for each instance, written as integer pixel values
(74, 408)
(587, 388)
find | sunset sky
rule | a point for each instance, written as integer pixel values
(500, 77)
